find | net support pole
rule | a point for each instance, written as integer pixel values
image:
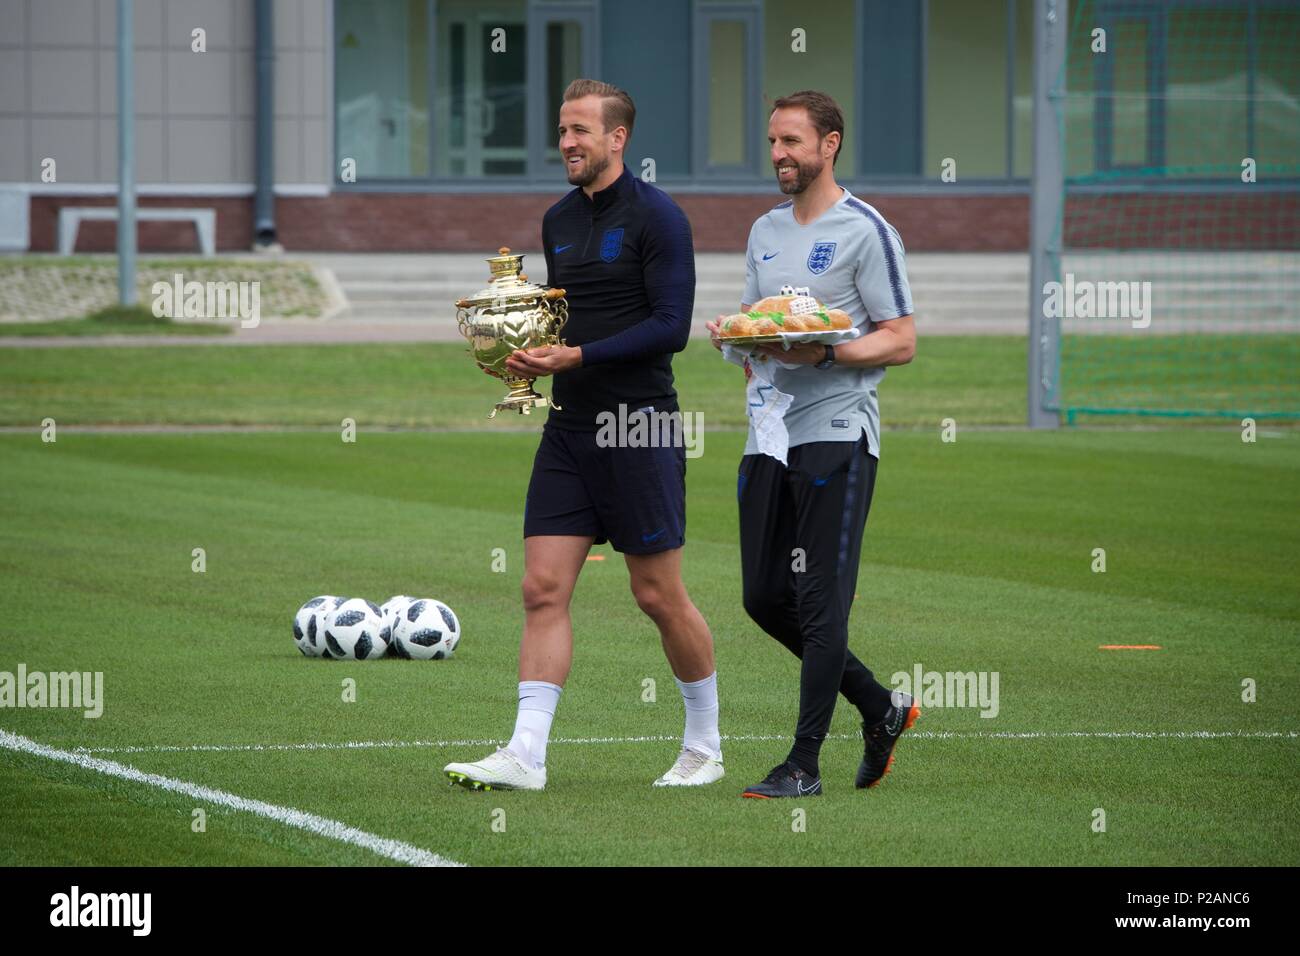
(1046, 209)
(125, 153)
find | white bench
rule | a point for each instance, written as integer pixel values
(71, 218)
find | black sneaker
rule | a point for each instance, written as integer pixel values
(786, 780)
(878, 753)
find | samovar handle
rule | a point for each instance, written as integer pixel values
(463, 317)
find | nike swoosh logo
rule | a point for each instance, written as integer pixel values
(813, 789)
(559, 249)
(898, 722)
(647, 538)
(771, 255)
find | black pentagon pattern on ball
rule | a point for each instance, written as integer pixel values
(311, 630)
(363, 646)
(386, 634)
(399, 650)
(413, 610)
(297, 631)
(437, 655)
(425, 637)
(448, 617)
(333, 645)
(348, 618)
(315, 602)
(374, 607)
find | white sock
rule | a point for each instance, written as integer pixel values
(701, 700)
(537, 703)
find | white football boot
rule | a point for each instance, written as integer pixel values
(692, 769)
(499, 771)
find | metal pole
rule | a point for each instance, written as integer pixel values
(264, 203)
(125, 153)
(1046, 209)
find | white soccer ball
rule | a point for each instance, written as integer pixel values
(392, 609)
(356, 631)
(427, 630)
(309, 624)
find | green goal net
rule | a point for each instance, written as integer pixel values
(1179, 284)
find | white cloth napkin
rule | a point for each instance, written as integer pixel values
(767, 404)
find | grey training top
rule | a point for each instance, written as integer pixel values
(851, 259)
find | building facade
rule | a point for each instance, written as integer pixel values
(424, 125)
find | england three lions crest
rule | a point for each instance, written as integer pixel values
(611, 245)
(819, 260)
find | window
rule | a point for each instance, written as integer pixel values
(1183, 91)
(381, 87)
(1128, 102)
(830, 35)
(966, 88)
(1022, 111)
(1207, 86)
(1275, 143)
(727, 117)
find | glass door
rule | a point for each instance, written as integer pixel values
(481, 96)
(562, 48)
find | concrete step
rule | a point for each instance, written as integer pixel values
(362, 289)
(959, 292)
(398, 309)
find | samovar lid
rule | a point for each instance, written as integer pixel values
(508, 280)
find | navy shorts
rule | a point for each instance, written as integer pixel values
(634, 498)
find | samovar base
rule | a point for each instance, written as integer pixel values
(522, 398)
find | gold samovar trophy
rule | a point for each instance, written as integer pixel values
(511, 313)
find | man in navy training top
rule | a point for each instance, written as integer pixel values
(622, 250)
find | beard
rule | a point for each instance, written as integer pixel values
(804, 175)
(592, 169)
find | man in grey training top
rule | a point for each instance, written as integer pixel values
(802, 520)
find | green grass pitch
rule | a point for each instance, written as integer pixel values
(977, 557)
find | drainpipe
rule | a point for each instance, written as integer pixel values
(264, 203)
(126, 238)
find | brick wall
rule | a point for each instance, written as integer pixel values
(478, 222)
(234, 224)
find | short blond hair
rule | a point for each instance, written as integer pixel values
(616, 107)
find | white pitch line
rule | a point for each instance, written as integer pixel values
(331, 829)
(742, 738)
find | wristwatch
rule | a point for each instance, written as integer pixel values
(829, 360)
